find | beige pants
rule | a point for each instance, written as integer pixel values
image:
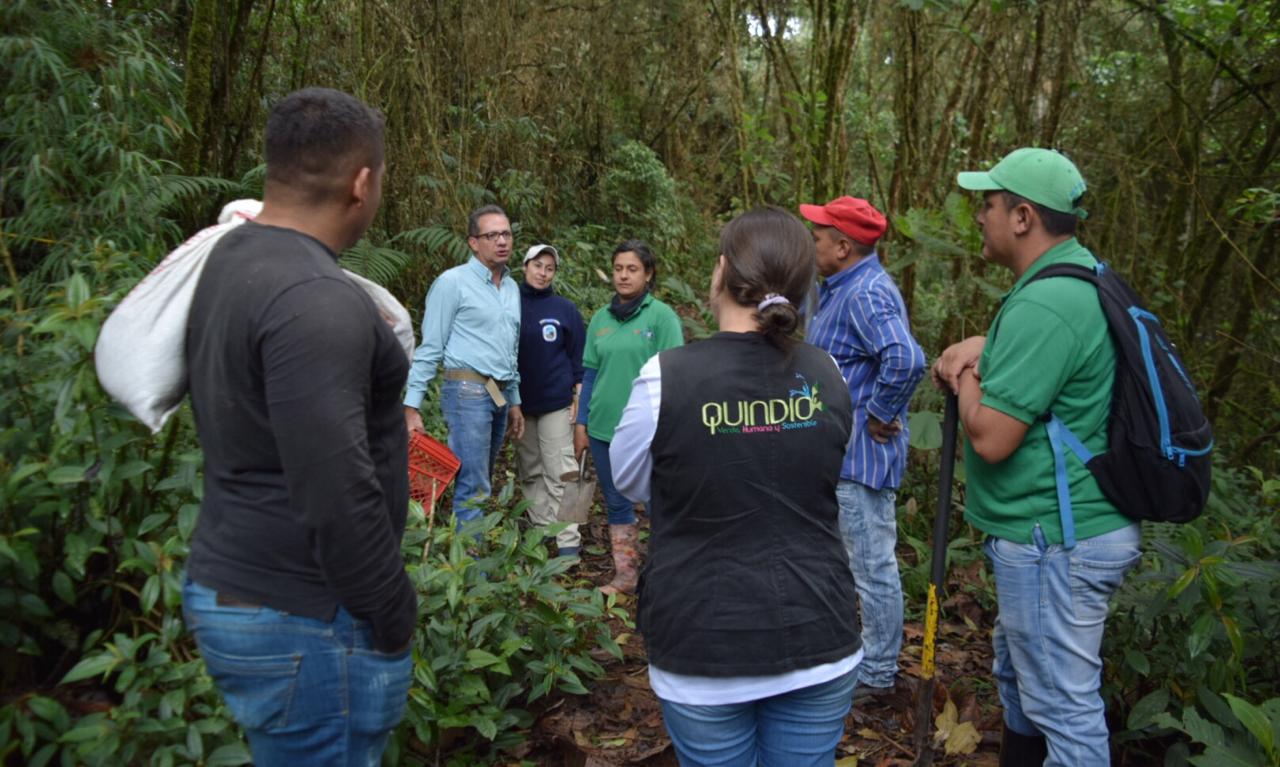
(543, 454)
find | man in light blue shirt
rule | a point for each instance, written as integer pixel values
(862, 321)
(472, 325)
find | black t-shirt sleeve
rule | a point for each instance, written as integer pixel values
(317, 350)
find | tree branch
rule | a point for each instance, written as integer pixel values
(1208, 50)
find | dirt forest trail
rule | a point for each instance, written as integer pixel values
(620, 722)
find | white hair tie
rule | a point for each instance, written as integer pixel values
(770, 300)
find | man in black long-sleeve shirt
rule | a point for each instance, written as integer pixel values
(296, 592)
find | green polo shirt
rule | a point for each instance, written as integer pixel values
(617, 350)
(1048, 349)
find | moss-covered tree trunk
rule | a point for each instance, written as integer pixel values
(197, 88)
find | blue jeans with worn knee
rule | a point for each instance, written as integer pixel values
(621, 511)
(306, 691)
(1048, 637)
(476, 429)
(869, 527)
(800, 728)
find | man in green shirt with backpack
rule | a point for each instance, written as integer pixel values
(1047, 351)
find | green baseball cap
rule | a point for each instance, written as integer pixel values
(1040, 175)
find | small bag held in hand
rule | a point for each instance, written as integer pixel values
(579, 493)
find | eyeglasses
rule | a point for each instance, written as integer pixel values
(495, 236)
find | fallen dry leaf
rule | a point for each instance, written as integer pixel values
(955, 736)
(969, 711)
(636, 682)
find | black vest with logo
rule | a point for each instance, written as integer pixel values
(746, 573)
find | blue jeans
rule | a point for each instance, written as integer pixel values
(869, 527)
(476, 429)
(796, 729)
(1048, 635)
(305, 691)
(621, 511)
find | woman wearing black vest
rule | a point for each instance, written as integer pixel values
(746, 603)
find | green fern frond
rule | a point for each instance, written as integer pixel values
(379, 263)
(253, 181)
(437, 240)
(172, 190)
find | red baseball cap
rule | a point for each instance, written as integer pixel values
(856, 218)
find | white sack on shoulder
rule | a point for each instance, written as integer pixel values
(140, 351)
(139, 354)
(392, 311)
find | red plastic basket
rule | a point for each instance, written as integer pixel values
(432, 466)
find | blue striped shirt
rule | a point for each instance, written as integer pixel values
(862, 321)
(471, 324)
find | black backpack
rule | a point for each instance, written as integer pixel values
(1157, 464)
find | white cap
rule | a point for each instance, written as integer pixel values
(536, 251)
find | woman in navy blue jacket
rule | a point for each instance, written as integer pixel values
(550, 361)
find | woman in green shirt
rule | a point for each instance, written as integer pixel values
(620, 339)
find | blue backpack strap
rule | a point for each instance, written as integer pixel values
(1060, 435)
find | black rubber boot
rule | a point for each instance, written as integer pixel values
(1018, 750)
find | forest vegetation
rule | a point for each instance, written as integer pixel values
(127, 124)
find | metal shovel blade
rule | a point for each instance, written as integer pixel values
(579, 492)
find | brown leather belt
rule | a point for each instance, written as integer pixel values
(226, 600)
(462, 374)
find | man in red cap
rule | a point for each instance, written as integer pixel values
(862, 321)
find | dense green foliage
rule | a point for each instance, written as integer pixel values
(98, 519)
(98, 512)
(1197, 625)
(126, 125)
(98, 515)
(500, 632)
